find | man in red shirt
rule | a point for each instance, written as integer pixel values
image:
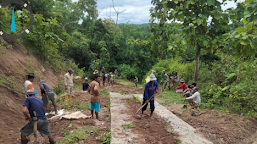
(181, 87)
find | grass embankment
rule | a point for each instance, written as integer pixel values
(170, 97)
(84, 134)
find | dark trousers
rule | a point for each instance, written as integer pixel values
(151, 105)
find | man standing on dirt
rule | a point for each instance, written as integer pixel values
(47, 94)
(28, 83)
(136, 80)
(34, 104)
(151, 88)
(95, 96)
(68, 80)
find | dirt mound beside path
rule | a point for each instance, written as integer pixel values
(220, 128)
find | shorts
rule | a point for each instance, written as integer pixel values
(192, 103)
(151, 105)
(50, 97)
(95, 106)
(42, 127)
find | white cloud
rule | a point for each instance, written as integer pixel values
(136, 11)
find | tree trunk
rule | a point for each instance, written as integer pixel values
(197, 60)
(238, 73)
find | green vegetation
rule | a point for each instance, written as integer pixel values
(214, 47)
(130, 83)
(221, 86)
(128, 126)
(170, 97)
(73, 104)
(60, 88)
(78, 134)
(104, 92)
(137, 99)
(105, 138)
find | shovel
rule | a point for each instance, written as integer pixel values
(35, 125)
(144, 105)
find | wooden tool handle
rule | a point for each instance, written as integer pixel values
(35, 122)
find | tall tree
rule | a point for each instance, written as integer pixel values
(202, 22)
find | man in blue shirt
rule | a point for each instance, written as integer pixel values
(31, 104)
(151, 88)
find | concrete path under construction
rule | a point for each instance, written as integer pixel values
(187, 134)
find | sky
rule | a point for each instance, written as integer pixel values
(136, 11)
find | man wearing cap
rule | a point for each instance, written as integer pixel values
(195, 99)
(28, 83)
(34, 104)
(151, 88)
(47, 94)
(68, 80)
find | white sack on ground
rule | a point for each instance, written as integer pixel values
(75, 115)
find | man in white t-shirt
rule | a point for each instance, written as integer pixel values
(68, 80)
(195, 99)
(28, 83)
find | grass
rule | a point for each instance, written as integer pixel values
(73, 104)
(137, 99)
(78, 134)
(128, 126)
(170, 97)
(104, 92)
(106, 137)
(170, 132)
(129, 83)
(167, 123)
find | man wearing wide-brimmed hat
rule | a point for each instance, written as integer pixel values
(68, 80)
(151, 88)
(28, 83)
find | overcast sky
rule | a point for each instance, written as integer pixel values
(136, 11)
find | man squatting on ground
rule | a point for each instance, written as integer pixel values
(31, 104)
(150, 88)
(195, 99)
(47, 91)
(95, 96)
(68, 80)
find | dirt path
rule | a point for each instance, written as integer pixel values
(127, 128)
(119, 117)
(188, 134)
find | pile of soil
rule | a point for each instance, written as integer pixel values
(220, 128)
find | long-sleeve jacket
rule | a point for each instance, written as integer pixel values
(182, 86)
(196, 97)
(68, 79)
(150, 89)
